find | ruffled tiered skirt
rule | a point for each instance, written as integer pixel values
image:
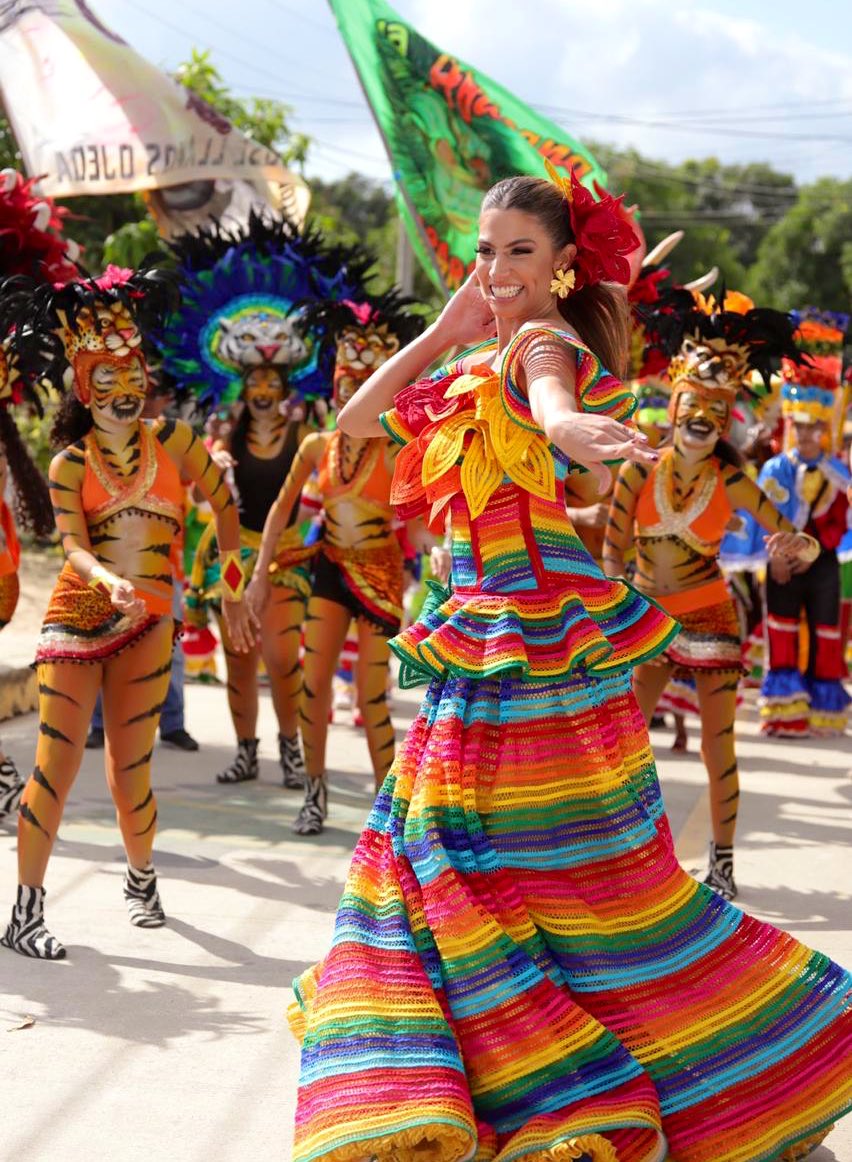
(520, 968)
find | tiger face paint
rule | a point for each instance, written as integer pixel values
(360, 352)
(701, 416)
(264, 392)
(117, 391)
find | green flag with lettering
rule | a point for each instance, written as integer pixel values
(450, 131)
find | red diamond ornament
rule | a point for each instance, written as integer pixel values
(233, 575)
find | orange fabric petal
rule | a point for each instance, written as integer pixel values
(408, 474)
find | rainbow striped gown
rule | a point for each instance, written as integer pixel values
(520, 968)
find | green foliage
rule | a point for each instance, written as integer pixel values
(35, 433)
(132, 242)
(806, 258)
(10, 155)
(725, 210)
(358, 209)
(260, 118)
(92, 219)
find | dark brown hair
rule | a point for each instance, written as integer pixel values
(599, 314)
(33, 510)
(73, 420)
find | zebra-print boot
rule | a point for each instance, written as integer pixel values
(11, 788)
(720, 874)
(245, 765)
(292, 763)
(25, 932)
(142, 897)
(314, 810)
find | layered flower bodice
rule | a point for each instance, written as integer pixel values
(526, 594)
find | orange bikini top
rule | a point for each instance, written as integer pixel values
(701, 524)
(371, 480)
(155, 488)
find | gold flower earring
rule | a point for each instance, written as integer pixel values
(562, 283)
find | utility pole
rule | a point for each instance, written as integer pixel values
(404, 259)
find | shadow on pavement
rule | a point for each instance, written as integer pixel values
(87, 992)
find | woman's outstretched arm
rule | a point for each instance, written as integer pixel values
(548, 367)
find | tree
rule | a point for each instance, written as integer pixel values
(358, 209)
(724, 210)
(260, 118)
(806, 258)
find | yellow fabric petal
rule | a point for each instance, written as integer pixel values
(445, 447)
(481, 475)
(510, 441)
(564, 184)
(462, 385)
(535, 472)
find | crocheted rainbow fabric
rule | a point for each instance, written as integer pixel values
(520, 968)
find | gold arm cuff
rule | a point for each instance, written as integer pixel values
(101, 578)
(232, 575)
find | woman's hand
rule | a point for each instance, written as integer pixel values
(241, 624)
(466, 319)
(223, 459)
(440, 562)
(257, 595)
(797, 549)
(779, 570)
(123, 596)
(590, 440)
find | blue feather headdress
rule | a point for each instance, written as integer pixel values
(242, 293)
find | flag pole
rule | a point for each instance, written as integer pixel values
(415, 217)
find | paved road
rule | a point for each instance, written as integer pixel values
(171, 1045)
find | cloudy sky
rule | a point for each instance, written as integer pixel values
(741, 80)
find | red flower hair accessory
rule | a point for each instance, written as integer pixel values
(602, 233)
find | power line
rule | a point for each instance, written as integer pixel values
(845, 113)
(780, 105)
(276, 4)
(652, 173)
(648, 123)
(278, 95)
(253, 66)
(255, 44)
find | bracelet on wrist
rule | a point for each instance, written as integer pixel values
(101, 578)
(232, 574)
(811, 548)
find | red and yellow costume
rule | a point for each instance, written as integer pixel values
(140, 515)
(676, 513)
(118, 502)
(357, 570)
(10, 556)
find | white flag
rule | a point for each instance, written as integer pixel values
(94, 117)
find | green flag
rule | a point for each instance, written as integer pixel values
(451, 132)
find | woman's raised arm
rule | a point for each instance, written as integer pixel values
(465, 321)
